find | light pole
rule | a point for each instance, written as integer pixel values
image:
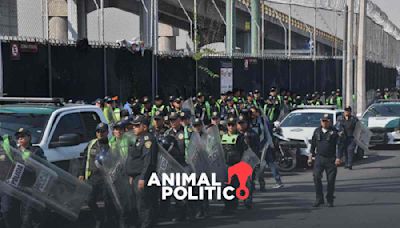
(361, 90)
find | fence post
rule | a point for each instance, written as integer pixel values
(1, 72)
(49, 62)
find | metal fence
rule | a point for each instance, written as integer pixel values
(75, 72)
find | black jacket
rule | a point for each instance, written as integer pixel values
(324, 144)
(142, 158)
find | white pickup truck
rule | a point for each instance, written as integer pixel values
(62, 131)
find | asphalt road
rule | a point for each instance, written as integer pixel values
(367, 196)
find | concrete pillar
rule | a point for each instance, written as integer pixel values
(167, 37)
(146, 23)
(255, 27)
(58, 19)
(361, 68)
(230, 37)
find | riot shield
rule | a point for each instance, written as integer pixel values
(362, 136)
(266, 138)
(250, 158)
(216, 154)
(197, 157)
(116, 179)
(166, 163)
(41, 184)
(188, 104)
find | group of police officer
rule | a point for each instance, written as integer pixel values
(138, 127)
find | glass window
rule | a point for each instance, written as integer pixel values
(90, 119)
(304, 120)
(35, 123)
(70, 124)
(385, 110)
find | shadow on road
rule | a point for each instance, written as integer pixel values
(265, 209)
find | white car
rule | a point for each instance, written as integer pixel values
(383, 120)
(62, 131)
(297, 128)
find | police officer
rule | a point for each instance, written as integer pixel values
(230, 108)
(141, 163)
(121, 140)
(158, 106)
(346, 125)
(9, 206)
(202, 108)
(177, 131)
(272, 108)
(180, 134)
(158, 128)
(216, 120)
(176, 105)
(92, 174)
(233, 152)
(29, 216)
(146, 106)
(108, 111)
(323, 148)
(248, 136)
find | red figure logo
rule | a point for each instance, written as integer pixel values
(243, 171)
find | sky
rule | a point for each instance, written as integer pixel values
(326, 19)
(391, 8)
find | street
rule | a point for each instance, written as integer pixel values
(367, 196)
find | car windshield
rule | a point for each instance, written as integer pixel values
(386, 110)
(35, 123)
(304, 120)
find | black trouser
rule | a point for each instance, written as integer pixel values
(348, 147)
(328, 165)
(232, 204)
(251, 186)
(9, 209)
(100, 191)
(145, 201)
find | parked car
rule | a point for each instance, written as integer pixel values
(62, 131)
(383, 120)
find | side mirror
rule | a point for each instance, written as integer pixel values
(277, 124)
(66, 140)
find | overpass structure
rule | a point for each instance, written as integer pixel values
(247, 26)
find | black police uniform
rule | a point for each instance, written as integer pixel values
(179, 135)
(234, 148)
(31, 217)
(178, 153)
(158, 132)
(9, 206)
(200, 110)
(95, 178)
(347, 144)
(250, 138)
(140, 164)
(323, 147)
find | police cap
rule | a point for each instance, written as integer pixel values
(22, 132)
(102, 127)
